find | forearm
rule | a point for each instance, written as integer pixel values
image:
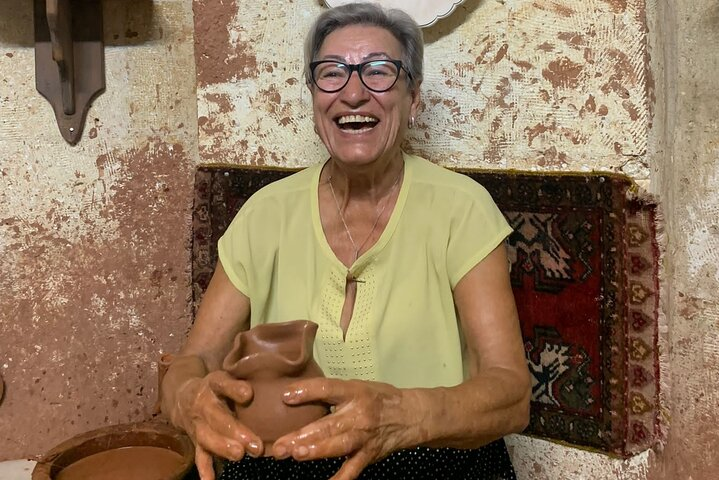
(484, 408)
(223, 313)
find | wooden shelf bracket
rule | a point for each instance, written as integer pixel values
(69, 59)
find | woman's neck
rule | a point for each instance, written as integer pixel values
(371, 182)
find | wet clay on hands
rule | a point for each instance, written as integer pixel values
(271, 357)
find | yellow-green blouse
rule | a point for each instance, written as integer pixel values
(404, 329)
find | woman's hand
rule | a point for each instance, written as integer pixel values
(201, 410)
(370, 420)
(195, 399)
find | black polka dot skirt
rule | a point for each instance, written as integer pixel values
(490, 462)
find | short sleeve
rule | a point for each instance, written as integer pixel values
(234, 251)
(476, 228)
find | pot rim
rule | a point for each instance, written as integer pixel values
(140, 434)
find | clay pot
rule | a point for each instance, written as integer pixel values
(129, 438)
(270, 357)
(162, 366)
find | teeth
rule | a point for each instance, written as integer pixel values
(356, 119)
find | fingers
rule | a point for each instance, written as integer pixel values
(288, 445)
(224, 384)
(221, 424)
(327, 390)
(313, 390)
(324, 429)
(208, 439)
(353, 466)
(213, 426)
(340, 433)
(331, 436)
(336, 446)
(203, 462)
(219, 431)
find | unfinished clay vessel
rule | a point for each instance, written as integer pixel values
(270, 357)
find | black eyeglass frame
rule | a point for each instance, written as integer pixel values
(357, 67)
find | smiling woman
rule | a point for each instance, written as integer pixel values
(369, 150)
(402, 265)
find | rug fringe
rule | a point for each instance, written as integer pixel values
(663, 417)
(650, 204)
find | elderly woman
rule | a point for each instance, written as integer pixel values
(401, 263)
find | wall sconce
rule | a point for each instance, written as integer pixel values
(69, 59)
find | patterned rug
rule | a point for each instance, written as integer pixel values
(585, 263)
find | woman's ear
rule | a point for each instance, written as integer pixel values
(415, 101)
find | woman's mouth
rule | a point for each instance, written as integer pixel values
(356, 123)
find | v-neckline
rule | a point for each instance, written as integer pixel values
(387, 233)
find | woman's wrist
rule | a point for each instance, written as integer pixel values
(471, 414)
(419, 412)
(179, 376)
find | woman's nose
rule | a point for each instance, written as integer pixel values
(355, 91)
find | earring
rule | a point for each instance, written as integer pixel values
(316, 131)
(411, 122)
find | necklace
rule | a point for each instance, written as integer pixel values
(350, 277)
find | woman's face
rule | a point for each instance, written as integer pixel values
(359, 126)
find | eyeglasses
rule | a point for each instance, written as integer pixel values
(377, 75)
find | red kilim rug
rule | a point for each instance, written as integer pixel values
(585, 267)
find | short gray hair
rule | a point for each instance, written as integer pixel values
(395, 21)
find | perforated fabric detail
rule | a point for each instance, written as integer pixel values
(352, 357)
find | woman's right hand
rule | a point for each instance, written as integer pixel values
(202, 411)
(195, 392)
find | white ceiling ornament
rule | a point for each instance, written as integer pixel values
(424, 12)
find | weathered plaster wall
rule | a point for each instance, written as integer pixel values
(93, 238)
(686, 146)
(517, 84)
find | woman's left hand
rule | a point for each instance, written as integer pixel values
(369, 421)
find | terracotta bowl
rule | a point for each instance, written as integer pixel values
(146, 434)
